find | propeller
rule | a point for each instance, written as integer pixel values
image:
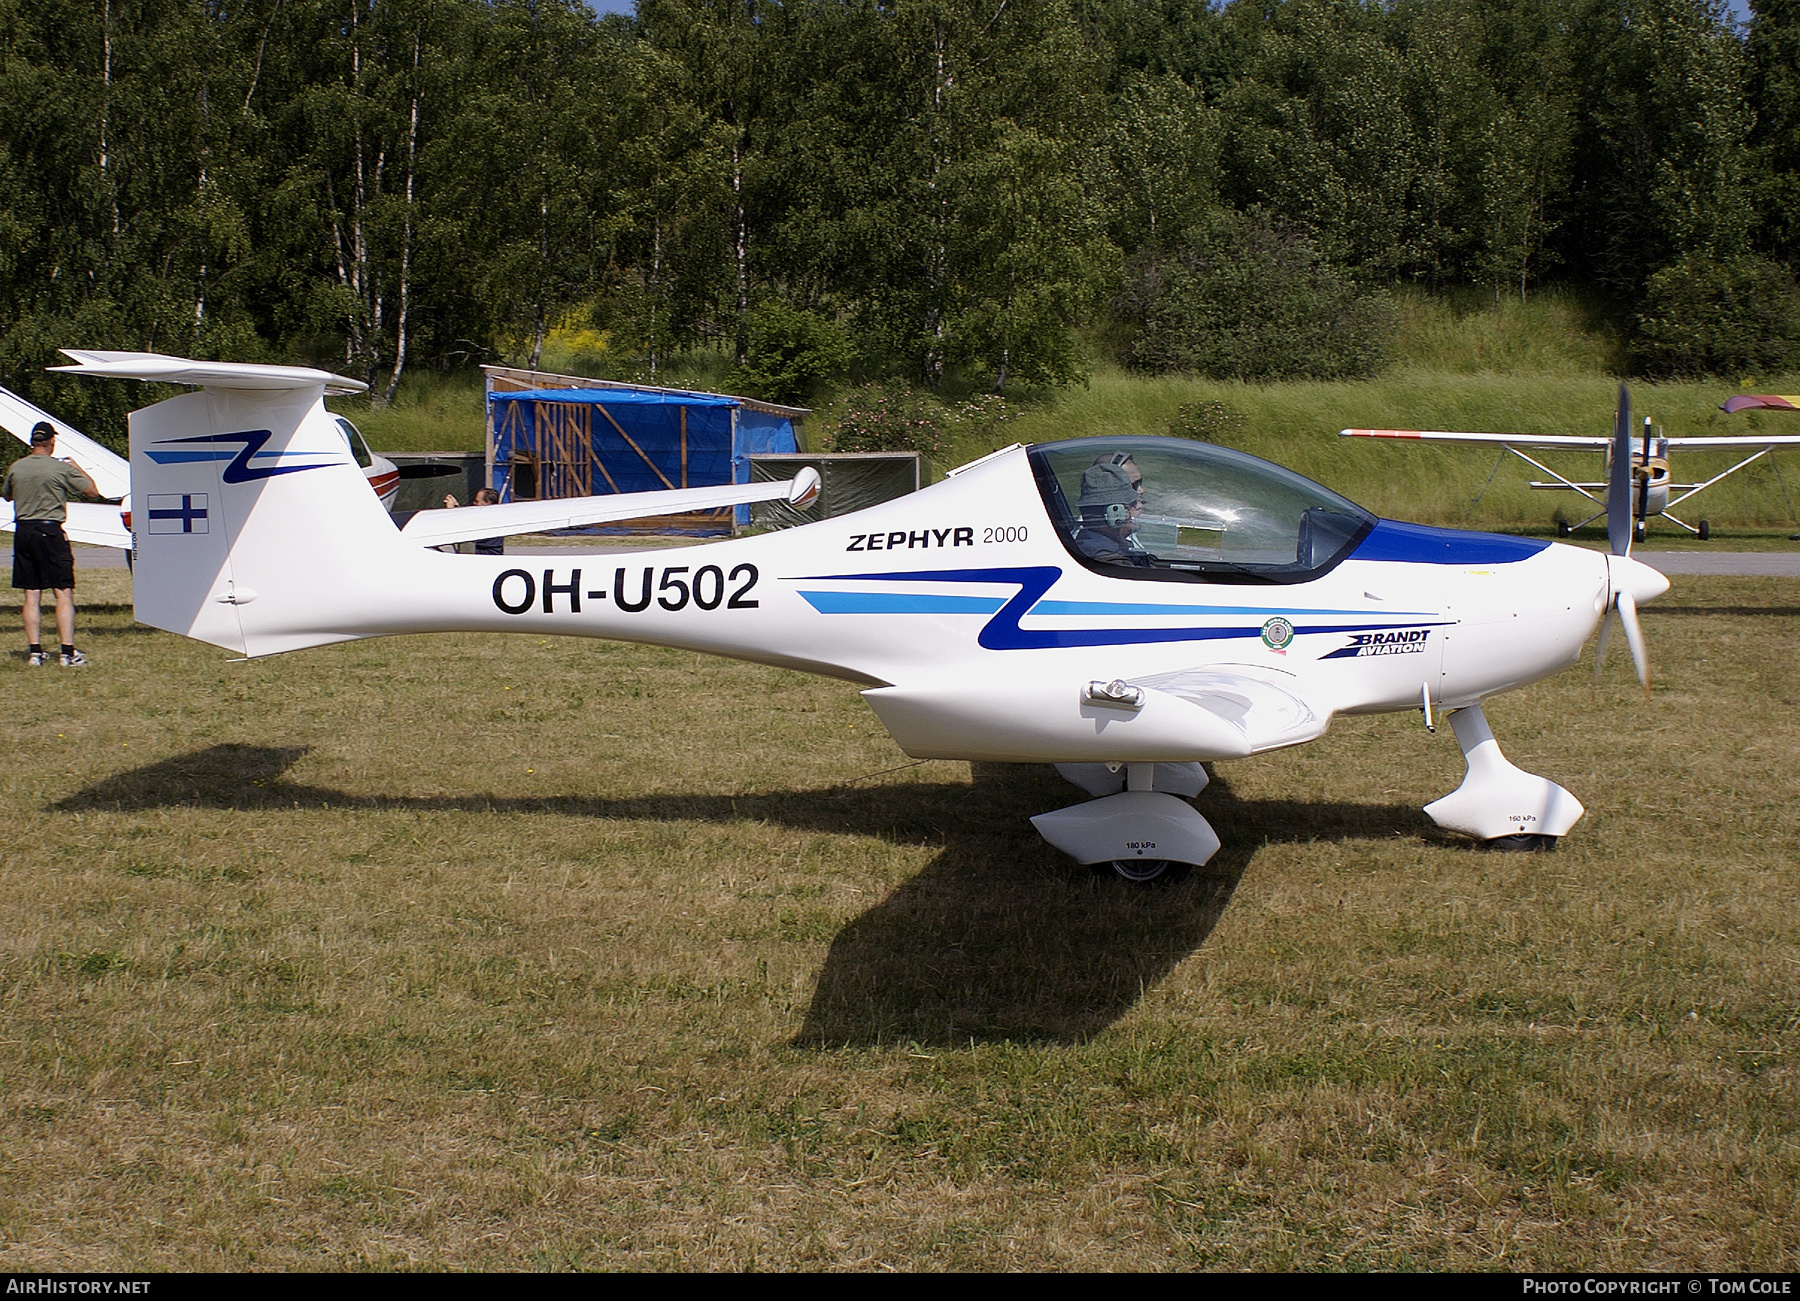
(1622, 572)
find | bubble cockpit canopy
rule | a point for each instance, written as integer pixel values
(1171, 509)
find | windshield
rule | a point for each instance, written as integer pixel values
(358, 448)
(1169, 508)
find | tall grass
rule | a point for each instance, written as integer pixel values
(1296, 424)
(1462, 362)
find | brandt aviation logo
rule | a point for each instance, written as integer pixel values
(1410, 641)
(240, 450)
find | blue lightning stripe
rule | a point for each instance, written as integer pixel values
(250, 443)
(1003, 632)
(1123, 608)
(186, 458)
(899, 603)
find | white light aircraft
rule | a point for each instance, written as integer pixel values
(107, 522)
(1124, 608)
(1653, 491)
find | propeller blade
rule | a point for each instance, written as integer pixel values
(1634, 636)
(1606, 627)
(1618, 486)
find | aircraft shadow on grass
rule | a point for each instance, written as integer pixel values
(996, 938)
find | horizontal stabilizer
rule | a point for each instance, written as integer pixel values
(229, 375)
(110, 472)
(430, 528)
(94, 523)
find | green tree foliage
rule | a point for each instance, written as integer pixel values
(1702, 316)
(948, 190)
(1244, 299)
(1773, 47)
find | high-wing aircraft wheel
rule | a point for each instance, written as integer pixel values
(1562, 528)
(1146, 871)
(1524, 843)
(1705, 530)
(1640, 534)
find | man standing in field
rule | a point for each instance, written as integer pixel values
(40, 486)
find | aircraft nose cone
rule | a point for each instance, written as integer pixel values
(1634, 576)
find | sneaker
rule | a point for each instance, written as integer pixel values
(34, 659)
(74, 660)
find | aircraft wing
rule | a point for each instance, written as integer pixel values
(1735, 443)
(430, 528)
(1763, 401)
(1268, 714)
(1594, 444)
(95, 523)
(110, 472)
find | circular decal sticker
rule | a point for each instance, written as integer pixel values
(1277, 633)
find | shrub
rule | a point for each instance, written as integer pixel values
(1241, 299)
(889, 418)
(896, 417)
(1707, 317)
(791, 351)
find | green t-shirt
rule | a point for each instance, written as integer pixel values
(37, 486)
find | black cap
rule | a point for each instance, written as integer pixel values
(43, 432)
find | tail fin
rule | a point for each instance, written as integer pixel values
(245, 488)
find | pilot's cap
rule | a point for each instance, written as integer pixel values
(1107, 483)
(43, 432)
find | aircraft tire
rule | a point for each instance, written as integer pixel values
(1527, 842)
(1562, 528)
(1144, 871)
(1705, 530)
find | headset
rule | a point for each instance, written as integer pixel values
(1117, 513)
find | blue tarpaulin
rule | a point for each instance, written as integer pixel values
(596, 441)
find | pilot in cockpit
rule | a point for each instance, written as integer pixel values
(1112, 495)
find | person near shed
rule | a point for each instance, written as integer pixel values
(40, 487)
(482, 497)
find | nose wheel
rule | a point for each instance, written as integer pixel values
(1525, 843)
(1145, 871)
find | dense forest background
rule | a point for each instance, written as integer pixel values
(976, 193)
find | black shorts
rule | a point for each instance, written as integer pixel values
(42, 557)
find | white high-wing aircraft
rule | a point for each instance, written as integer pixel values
(107, 522)
(1652, 490)
(1006, 613)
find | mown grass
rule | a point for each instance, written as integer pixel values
(506, 953)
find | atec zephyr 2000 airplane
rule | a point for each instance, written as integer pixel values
(1124, 608)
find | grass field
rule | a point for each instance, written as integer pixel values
(506, 953)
